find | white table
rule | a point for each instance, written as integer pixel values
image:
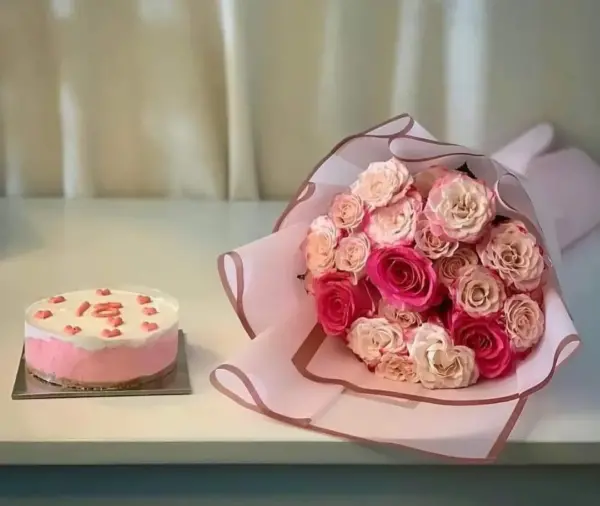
(49, 246)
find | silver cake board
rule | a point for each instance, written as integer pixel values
(177, 382)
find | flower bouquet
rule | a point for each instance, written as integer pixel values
(410, 282)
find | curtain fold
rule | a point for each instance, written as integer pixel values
(238, 99)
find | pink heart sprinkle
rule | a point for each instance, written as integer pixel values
(110, 333)
(149, 326)
(42, 314)
(149, 311)
(103, 291)
(116, 321)
(85, 305)
(57, 299)
(143, 299)
(69, 329)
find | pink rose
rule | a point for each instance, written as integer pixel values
(459, 208)
(396, 223)
(381, 182)
(340, 302)
(405, 277)
(488, 339)
(347, 211)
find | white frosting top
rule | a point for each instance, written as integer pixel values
(137, 326)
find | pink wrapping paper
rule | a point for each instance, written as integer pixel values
(293, 373)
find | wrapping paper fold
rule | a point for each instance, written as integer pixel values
(293, 373)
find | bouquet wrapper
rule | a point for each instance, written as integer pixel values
(293, 373)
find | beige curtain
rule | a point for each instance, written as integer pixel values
(239, 98)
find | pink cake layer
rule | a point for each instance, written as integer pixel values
(64, 361)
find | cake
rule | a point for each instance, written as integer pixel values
(102, 338)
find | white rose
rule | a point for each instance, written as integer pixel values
(397, 367)
(431, 245)
(396, 223)
(319, 246)
(459, 208)
(405, 319)
(370, 338)
(347, 211)
(524, 321)
(352, 253)
(448, 268)
(478, 291)
(439, 364)
(513, 252)
(381, 182)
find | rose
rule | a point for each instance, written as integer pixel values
(370, 338)
(459, 208)
(352, 253)
(405, 319)
(425, 179)
(405, 277)
(478, 291)
(396, 223)
(319, 246)
(381, 182)
(524, 321)
(438, 363)
(396, 367)
(431, 245)
(512, 251)
(340, 302)
(447, 268)
(347, 211)
(488, 339)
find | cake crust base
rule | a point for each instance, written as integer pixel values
(75, 385)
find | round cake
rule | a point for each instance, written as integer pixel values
(102, 338)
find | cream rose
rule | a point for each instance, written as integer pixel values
(431, 245)
(524, 321)
(514, 254)
(425, 179)
(370, 338)
(478, 291)
(438, 363)
(352, 253)
(347, 211)
(397, 367)
(448, 267)
(381, 182)
(319, 246)
(459, 208)
(396, 223)
(405, 319)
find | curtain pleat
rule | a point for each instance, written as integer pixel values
(238, 99)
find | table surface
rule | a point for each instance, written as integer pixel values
(50, 246)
